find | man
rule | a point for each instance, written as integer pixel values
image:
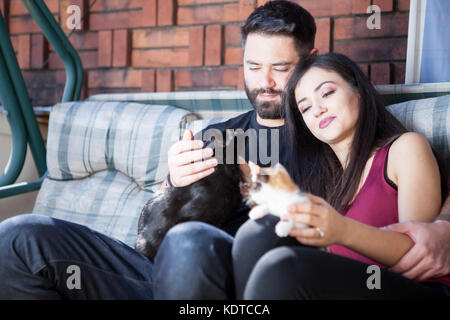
(37, 253)
(194, 261)
(273, 42)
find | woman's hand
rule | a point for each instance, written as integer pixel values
(327, 226)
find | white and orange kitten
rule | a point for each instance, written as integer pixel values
(272, 191)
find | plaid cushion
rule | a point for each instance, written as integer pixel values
(108, 202)
(227, 104)
(206, 104)
(397, 93)
(105, 159)
(430, 117)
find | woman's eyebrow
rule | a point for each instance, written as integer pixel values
(317, 88)
(300, 101)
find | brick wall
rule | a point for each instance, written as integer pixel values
(163, 45)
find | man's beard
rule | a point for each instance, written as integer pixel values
(266, 109)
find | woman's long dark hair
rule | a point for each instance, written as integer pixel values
(313, 164)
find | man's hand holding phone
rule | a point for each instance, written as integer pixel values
(189, 162)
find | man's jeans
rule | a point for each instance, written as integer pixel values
(194, 262)
(46, 258)
(43, 258)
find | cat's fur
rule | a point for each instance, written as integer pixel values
(214, 199)
(272, 191)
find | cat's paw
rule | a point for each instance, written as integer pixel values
(283, 228)
(258, 212)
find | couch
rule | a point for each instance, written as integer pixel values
(107, 155)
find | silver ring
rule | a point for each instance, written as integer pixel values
(321, 233)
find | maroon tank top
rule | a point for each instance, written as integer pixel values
(376, 204)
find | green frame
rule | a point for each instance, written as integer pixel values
(16, 102)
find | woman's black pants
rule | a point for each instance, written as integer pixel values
(268, 267)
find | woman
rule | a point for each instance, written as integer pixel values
(363, 171)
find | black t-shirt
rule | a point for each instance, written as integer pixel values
(271, 144)
(268, 139)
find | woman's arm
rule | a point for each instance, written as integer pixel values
(384, 246)
(414, 169)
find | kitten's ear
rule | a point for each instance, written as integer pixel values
(280, 168)
(245, 168)
(254, 168)
(282, 178)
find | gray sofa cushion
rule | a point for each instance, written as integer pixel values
(105, 160)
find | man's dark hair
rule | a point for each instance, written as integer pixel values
(282, 18)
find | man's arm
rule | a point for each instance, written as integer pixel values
(430, 255)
